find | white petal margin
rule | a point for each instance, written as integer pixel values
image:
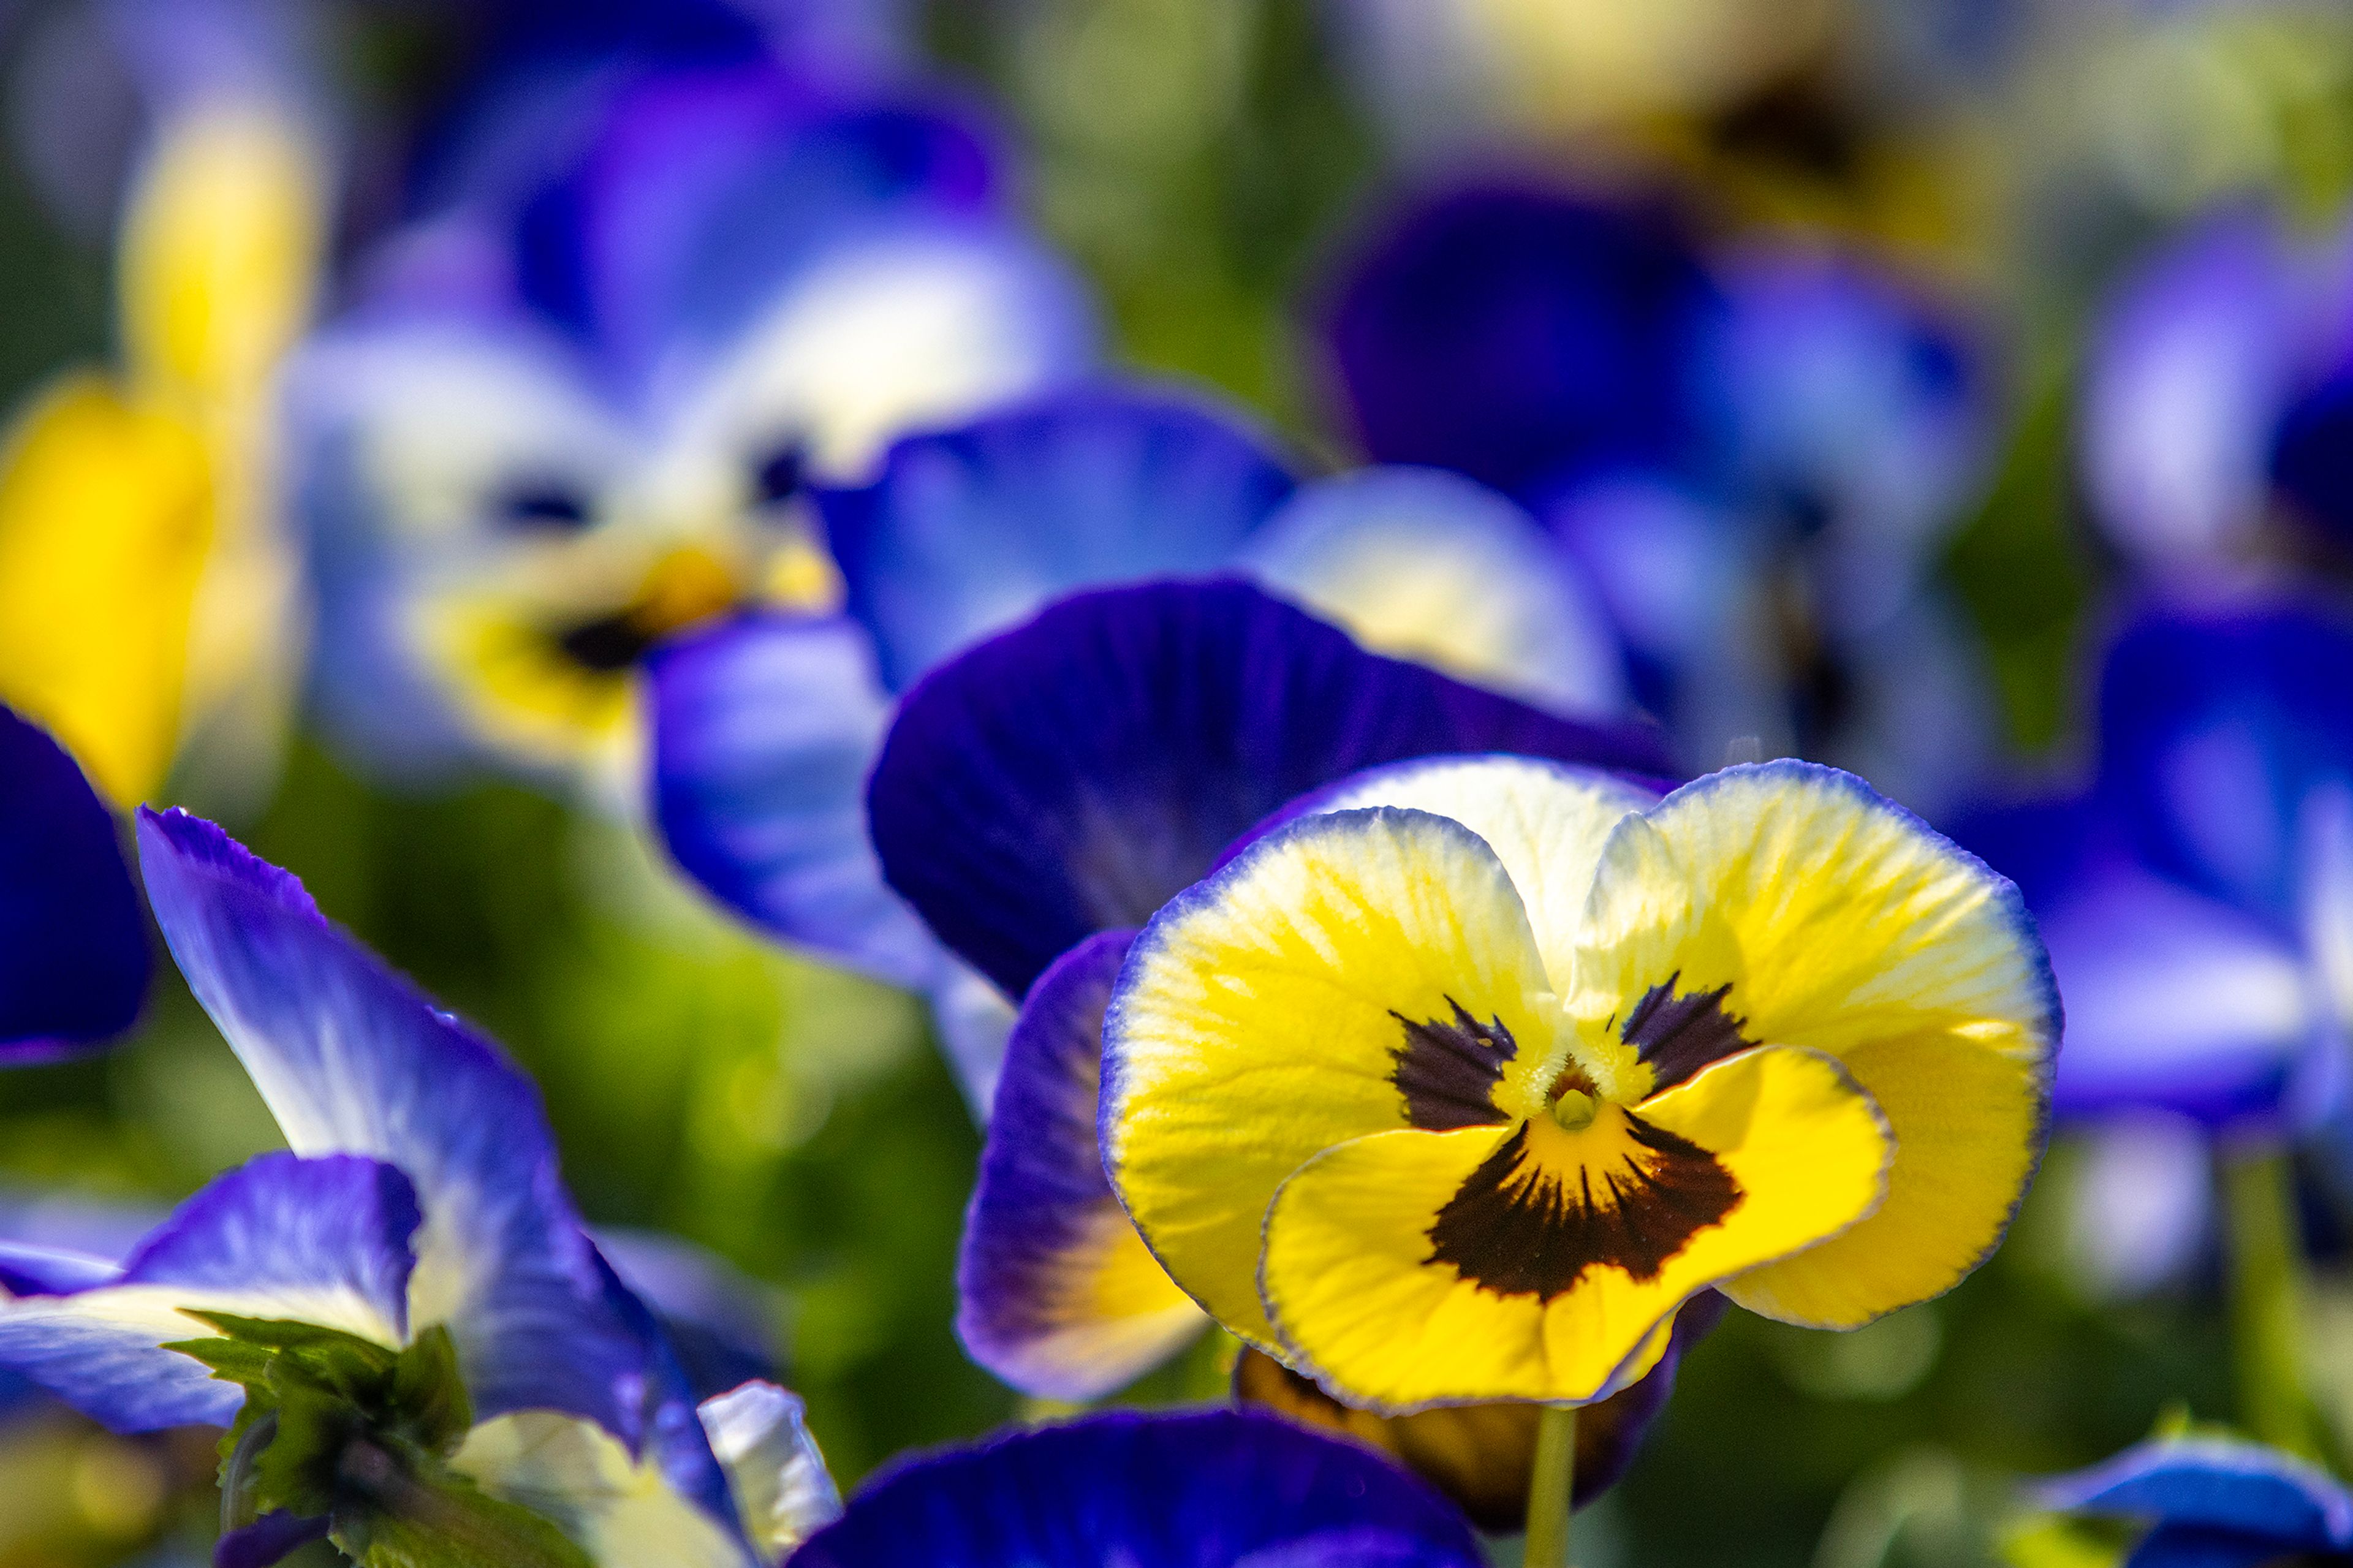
(779, 1479)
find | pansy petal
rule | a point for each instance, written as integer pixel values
(105, 526)
(350, 1058)
(73, 943)
(722, 1324)
(1432, 566)
(2215, 1483)
(1546, 821)
(2197, 1546)
(1481, 1455)
(1074, 774)
(763, 732)
(1058, 1294)
(965, 531)
(1209, 1489)
(1354, 973)
(1412, 1269)
(321, 1241)
(2188, 372)
(269, 1540)
(779, 1479)
(2215, 729)
(1790, 904)
(574, 1474)
(1522, 337)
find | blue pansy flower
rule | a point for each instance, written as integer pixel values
(2213, 1503)
(2217, 398)
(2197, 900)
(73, 943)
(1209, 1489)
(402, 1319)
(765, 728)
(582, 400)
(1042, 795)
(1755, 455)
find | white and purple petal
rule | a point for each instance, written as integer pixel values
(966, 531)
(352, 1059)
(1212, 1489)
(73, 943)
(1072, 775)
(1429, 566)
(1055, 1292)
(324, 1241)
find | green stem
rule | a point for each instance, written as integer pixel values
(1549, 1489)
(2266, 1263)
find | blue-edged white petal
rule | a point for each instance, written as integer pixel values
(351, 1059)
(966, 531)
(1523, 336)
(765, 730)
(1072, 775)
(1057, 1293)
(73, 944)
(1210, 1490)
(1429, 565)
(324, 1241)
(2190, 369)
(2243, 1493)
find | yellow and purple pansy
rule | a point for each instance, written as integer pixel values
(1462, 1087)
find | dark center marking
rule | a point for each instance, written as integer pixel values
(1447, 1072)
(1680, 1033)
(608, 644)
(1520, 1228)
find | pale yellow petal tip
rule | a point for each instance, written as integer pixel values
(220, 250)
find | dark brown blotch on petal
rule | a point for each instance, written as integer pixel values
(1447, 1071)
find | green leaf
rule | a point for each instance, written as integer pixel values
(429, 1405)
(231, 1360)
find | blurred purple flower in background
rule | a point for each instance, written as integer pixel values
(1755, 455)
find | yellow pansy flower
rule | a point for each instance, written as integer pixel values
(1462, 1090)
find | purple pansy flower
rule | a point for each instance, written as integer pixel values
(2214, 1502)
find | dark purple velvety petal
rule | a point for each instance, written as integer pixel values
(269, 1540)
(2217, 730)
(73, 944)
(351, 1059)
(1212, 1489)
(965, 531)
(2312, 456)
(1073, 774)
(2221, 1485)
(1055, 1292)
(1523, 336)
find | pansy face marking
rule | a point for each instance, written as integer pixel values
(1461, 1088)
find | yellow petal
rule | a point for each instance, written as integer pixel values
(1789, 904)
(219, 252)
(1547, 822)
(1353, 972)
(105, 520)
(1410, 1269)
